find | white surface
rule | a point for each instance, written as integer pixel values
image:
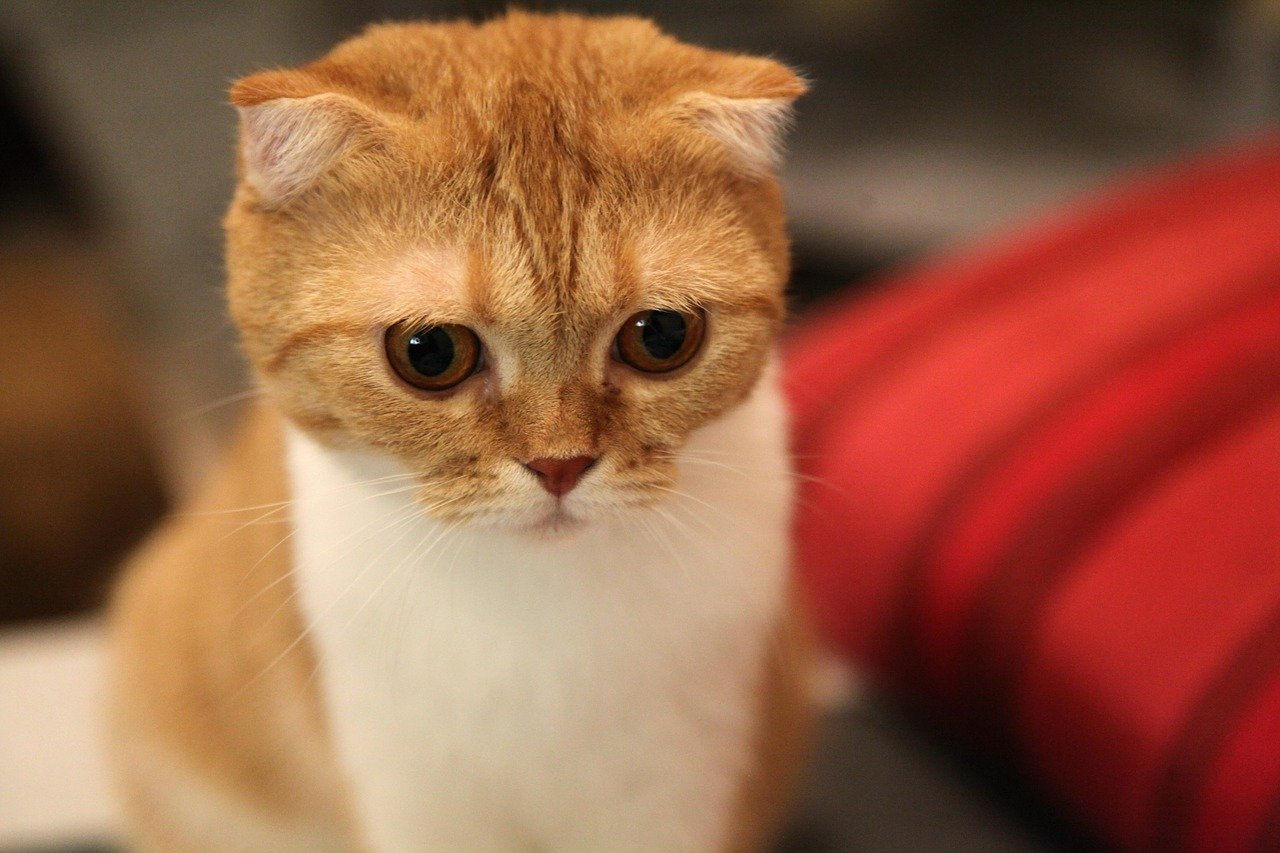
(53, 782)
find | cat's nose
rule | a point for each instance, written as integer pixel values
(559, 476)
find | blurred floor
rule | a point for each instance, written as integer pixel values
(53, 783)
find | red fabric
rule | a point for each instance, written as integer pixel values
(1042, 498)
(1237, 796)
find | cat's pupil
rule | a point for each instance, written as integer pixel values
(431, 351)
(663, 334)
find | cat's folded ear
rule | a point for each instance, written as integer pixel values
(748, 110)
(292, 131)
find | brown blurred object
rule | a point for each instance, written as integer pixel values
(79, 479)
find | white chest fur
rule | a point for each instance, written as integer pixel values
(493, 691)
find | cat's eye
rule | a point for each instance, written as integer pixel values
(433, 358)
(660, 340)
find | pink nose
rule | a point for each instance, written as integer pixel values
(559, 476)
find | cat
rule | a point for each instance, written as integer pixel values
(500, 562)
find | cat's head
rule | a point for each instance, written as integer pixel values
(525, 258)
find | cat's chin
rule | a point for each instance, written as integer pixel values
(558, 523)
(554, 524)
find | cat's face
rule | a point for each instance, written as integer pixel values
(571, 251)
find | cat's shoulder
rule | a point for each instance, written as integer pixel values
(212, 690)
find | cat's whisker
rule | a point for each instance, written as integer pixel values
(665, 542)
(279, 505)
(213, 406)
(408, 559)
(680, 494)
(285, 575)
(685, 455)
(707, 451)
(287, 536)
(403, 521)
(415, 557)
(676, 522)
(251, 522)
(319, 617)
(407, 597)
(749, 471)
(291, 573)
(234, 510)
(738, 468)
(406, 515)
(245, 604)
(803, 499)
(319, 652)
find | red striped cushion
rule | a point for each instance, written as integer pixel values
(1042, 498)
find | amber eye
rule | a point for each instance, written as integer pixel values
(661, 340)
(433, 358)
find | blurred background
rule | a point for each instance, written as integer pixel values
(930, 123)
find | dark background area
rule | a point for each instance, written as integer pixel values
(930, 124)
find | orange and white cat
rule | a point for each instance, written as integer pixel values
(501, 561)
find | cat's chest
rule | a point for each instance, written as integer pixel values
(482, 689)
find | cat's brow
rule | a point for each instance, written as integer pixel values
(312, 335)
(745, 301)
